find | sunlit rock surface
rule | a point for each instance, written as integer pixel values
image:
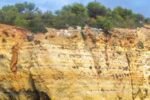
(74, 64)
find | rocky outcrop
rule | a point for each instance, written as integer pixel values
(84, 65)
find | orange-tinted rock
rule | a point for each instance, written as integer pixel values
(65, 67)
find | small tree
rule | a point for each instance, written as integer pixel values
(71, 15)
(96, 9)
(105, 23)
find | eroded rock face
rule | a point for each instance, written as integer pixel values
(85, 66)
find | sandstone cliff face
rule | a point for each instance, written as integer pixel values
(86, 65)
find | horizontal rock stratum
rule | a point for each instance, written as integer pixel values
(74, 64)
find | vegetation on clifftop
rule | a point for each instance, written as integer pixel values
(27, 15)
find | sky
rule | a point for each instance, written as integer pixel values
(138, 6)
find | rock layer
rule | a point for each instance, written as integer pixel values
(86, 65)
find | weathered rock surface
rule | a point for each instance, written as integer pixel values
(85, 65)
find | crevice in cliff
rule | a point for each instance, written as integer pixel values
(91, 46)
(11, 95)
(40, 95)
(130, 72)
(107, 35)
(30, 94)
(106, 52)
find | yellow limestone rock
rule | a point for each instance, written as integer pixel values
(83, 66)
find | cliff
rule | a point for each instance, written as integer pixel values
(74, 64)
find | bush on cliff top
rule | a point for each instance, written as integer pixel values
(27, 15)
